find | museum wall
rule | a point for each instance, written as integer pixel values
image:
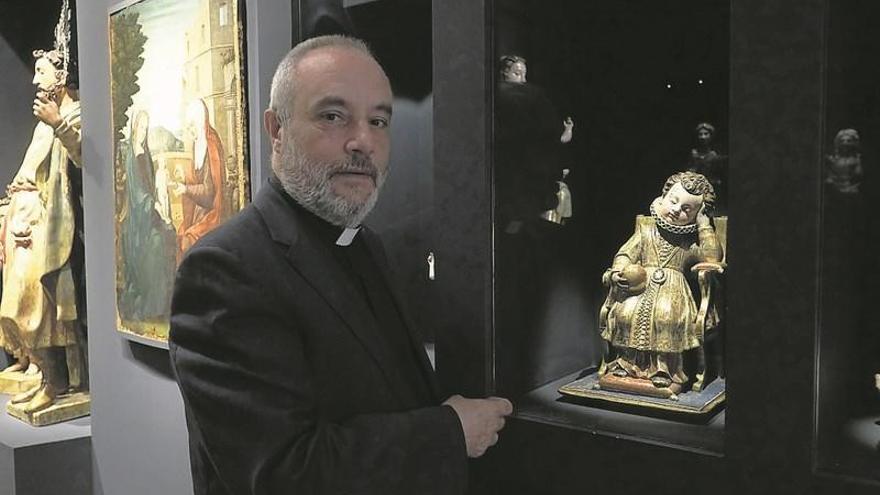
(138, 429)
(18, 94)
(18, 91)
(22, 30)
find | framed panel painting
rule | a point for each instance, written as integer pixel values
(177, 74)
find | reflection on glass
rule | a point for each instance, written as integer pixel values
(529, 135)
(706, 160)
(844, 166)
(848, 403)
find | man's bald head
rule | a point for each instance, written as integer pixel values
(284, 81)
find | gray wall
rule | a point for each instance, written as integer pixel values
(16, 120)
(138, 430)
(15, 106)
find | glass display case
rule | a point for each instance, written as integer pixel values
(848, 394)
(589, 123)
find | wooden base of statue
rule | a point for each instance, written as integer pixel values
(16, 382)
(595, 390)
(638, 386)
(65, 408)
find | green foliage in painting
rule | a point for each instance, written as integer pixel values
(126, 49)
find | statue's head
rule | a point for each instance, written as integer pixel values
(705, 131)
(513, 69)
(684, 194)
(49, 72)
(846, 142)
(55, 70)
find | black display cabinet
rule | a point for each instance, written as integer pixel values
(628, 73)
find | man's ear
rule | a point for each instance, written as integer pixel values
(273, 128)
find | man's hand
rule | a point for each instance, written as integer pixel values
(46, 110)
(481, 420)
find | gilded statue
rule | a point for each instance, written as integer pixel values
(40, 311)
(650, 318)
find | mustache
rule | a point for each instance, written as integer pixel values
(357, 164)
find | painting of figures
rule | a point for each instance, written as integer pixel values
(181, 162)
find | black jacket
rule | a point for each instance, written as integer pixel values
(288, 384)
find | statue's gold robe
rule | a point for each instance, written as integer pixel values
(38, 303)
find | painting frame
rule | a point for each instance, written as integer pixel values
(181, 157)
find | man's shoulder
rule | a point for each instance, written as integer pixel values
(243, 232)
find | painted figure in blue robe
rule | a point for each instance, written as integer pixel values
(148, 237)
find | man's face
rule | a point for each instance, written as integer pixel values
(336, 144)
(678, 206)
(44, 75)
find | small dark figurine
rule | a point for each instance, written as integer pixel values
(844, 167)
(707, 161)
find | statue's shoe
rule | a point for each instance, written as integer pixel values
(43, 399)
(661, 381)
(27, 395)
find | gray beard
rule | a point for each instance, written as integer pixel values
(307, 181)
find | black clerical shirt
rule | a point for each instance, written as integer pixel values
(360, 267)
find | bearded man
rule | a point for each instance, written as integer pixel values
(298, 370)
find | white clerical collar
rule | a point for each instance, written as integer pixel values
(347, 236)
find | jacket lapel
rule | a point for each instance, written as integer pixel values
(317, 265)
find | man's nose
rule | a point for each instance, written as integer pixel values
(361, 138)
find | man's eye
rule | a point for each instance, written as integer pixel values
(331, 117)
(381, 123)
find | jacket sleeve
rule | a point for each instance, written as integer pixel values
(243, 371)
